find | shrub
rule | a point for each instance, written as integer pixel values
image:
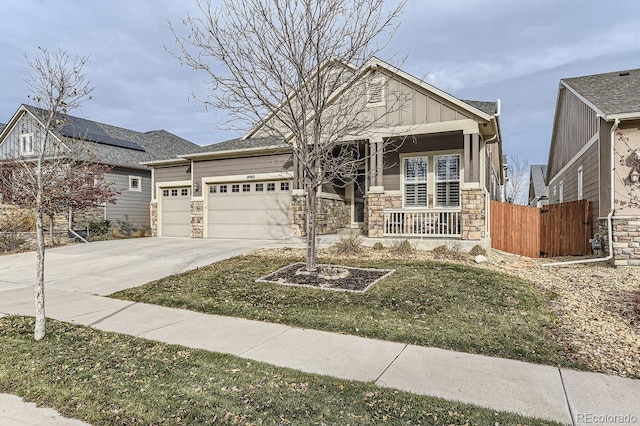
(99, 228)
(378, 246)
(442, 250)
(349, 245)
(478, 250)
(13, 219)
(402, 248)
(141, 232)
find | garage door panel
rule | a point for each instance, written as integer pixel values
(250, 231)
(258, 215)
(175, 215)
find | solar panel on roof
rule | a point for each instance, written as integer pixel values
(89, 131)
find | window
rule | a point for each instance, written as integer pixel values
(213, 189)
(580, 183)
(165, 192)
(284, 186)
(415, 181)
(447, 180)
(26, 144)
(561, 190)
(259, 187)
(375, 92)
(271, 186)
(223, 188)
(135, 183)
(235, 188)
(184, 192)
(174, 192)
(246, 187)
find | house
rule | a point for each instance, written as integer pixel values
(538, 189)
(594, 155)
(436, 185)
(121, 149)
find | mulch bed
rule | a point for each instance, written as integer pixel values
(359, 279)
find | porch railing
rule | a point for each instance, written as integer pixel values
(422, 223)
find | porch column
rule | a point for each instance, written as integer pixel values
(376, 162)
(379, 163)
(373, 166)
(472, 157)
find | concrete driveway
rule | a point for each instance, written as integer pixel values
(105, 267)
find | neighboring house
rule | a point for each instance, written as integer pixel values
(436, 185)
(594, 155)
(538, 189)
(122, 149)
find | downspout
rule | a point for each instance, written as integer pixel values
(616, 124)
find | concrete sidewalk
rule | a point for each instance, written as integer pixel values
(567, 396)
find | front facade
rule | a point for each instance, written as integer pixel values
(594, 155)
(436, 184)
(121, 149)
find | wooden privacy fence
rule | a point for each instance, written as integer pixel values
(553, 230)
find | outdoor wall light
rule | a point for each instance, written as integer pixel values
(634, 176)
(196, 185)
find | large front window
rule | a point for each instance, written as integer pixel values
(447, 180)
(415, 181)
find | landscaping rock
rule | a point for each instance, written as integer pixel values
(480, 259)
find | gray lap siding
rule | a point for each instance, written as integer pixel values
(132, 207)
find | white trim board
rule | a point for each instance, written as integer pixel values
(594, 139)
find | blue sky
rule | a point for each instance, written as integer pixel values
(512, 50)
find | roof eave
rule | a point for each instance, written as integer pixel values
(236, 153)
(169, 162)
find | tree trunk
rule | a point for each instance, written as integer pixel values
(39, 331)
(312, 192)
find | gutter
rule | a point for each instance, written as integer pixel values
(615, 126)
(494, 138)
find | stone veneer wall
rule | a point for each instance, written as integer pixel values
(197, 219)
(473, 214)
(332, 215)
(626, 240)
(374, 219)
(153, 211)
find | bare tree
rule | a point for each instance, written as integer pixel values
(280, 68)
(518, 171)
(54, 174)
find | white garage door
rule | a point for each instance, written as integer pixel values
(175, 212)
(256, 210)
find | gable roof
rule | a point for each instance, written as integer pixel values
(481, 109)
(537, 181)
(117, 146)
(2, 126)
(610, 94)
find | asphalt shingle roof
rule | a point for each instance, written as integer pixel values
(490, 108)
(2, 126)
(612, 93)
(538, 174)
(241, 144)
(157, 144)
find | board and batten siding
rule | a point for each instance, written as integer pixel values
(240, 166)
(576, 124)
(171, 174)
(132, 207)
(10, 147)
(590, 163)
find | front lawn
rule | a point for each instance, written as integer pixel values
(424, 303)
(112, 379)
